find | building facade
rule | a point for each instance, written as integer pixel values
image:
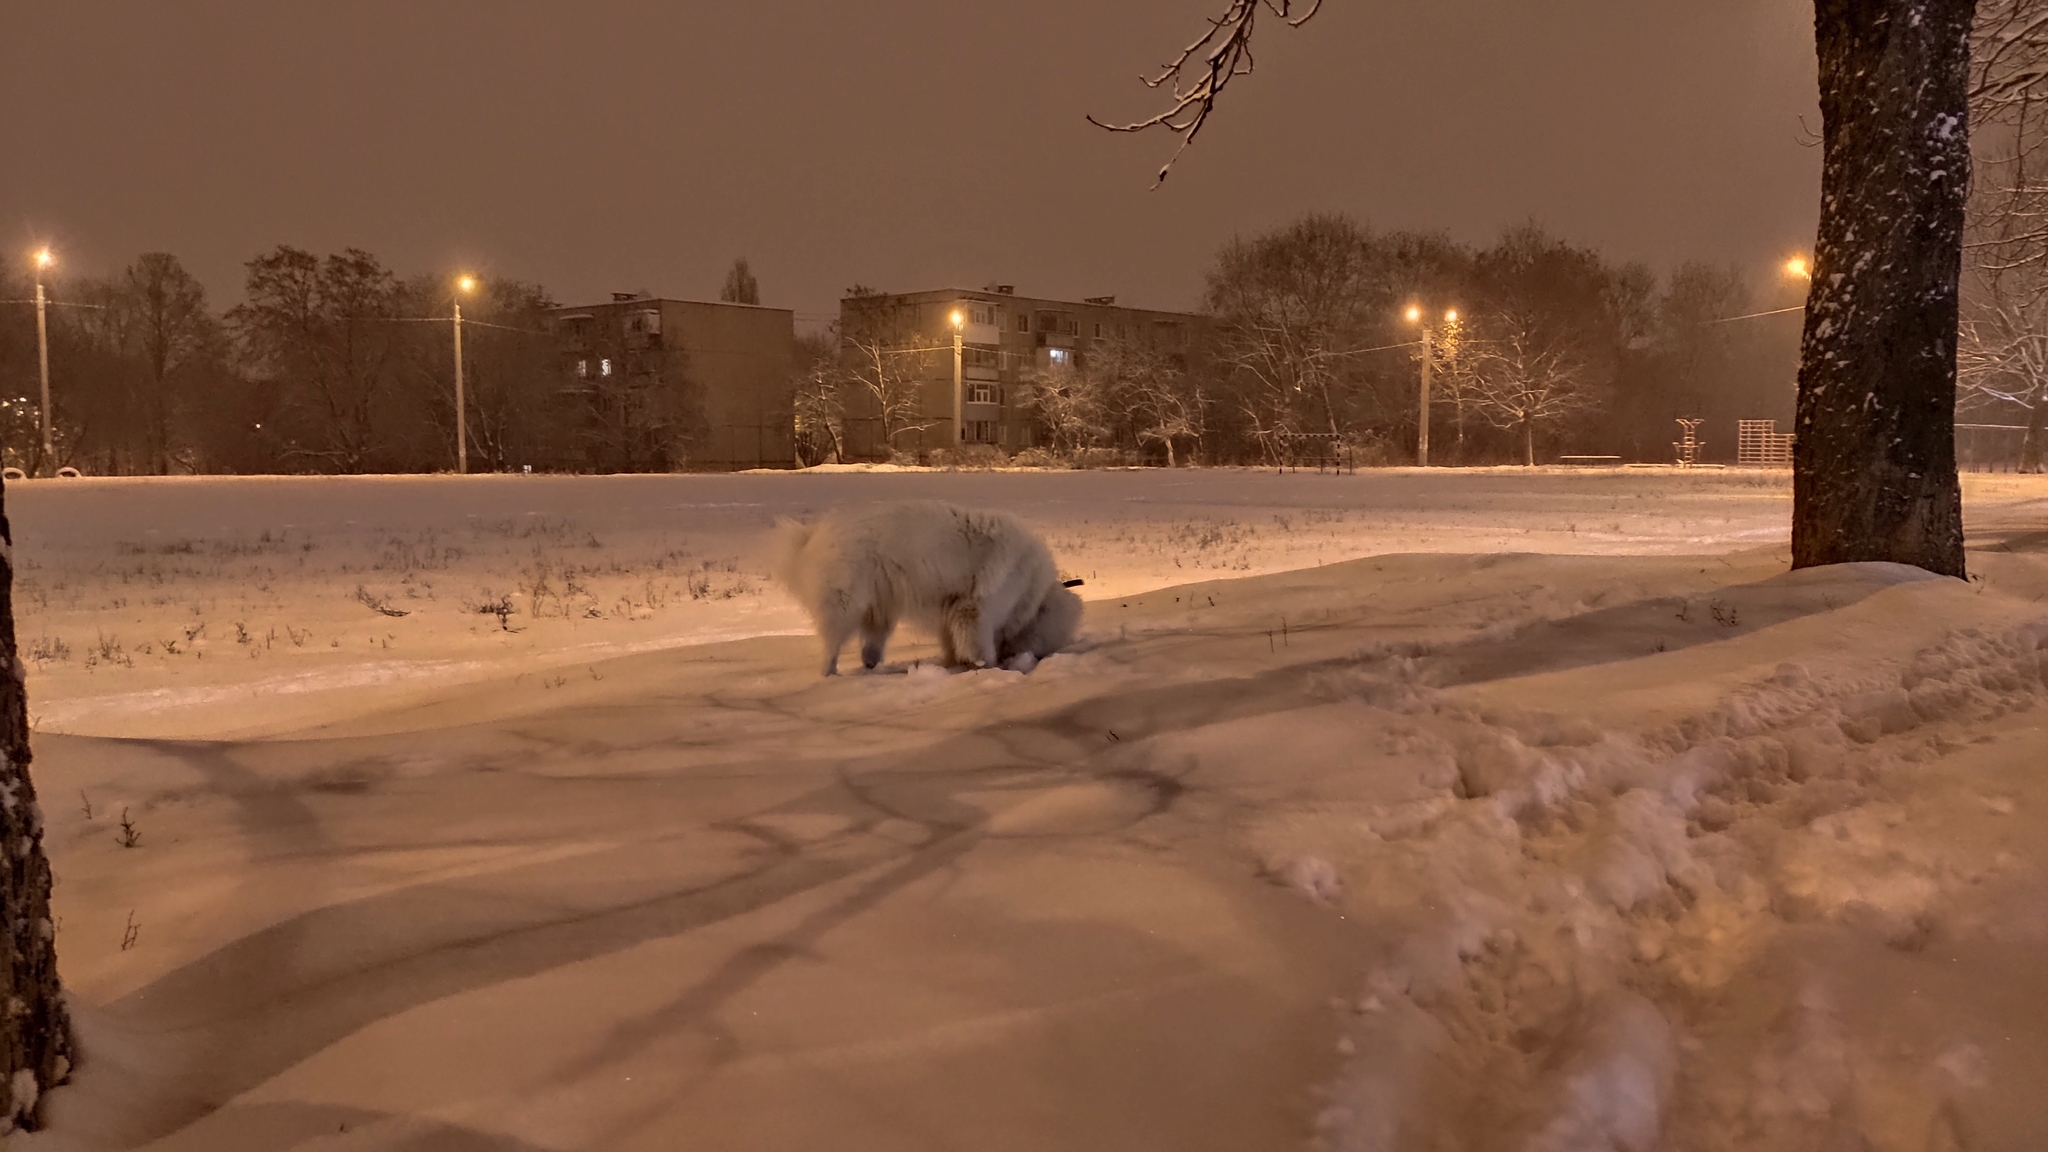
(1006, 340)
(664, 385)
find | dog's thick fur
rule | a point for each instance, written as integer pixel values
(981, 582)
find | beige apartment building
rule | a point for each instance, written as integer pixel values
(659, 384)
(1004, 340)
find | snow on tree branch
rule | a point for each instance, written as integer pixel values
(2009, 54)
(1205, 67)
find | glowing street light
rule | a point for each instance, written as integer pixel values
(464, 285)
(1414, 315)
(1798, 267)
(959, 320)
(43, 260)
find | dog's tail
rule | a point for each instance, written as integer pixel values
(791, 538)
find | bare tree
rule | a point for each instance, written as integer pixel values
(323, 331)
(1067, 403)
(1453, 377)
(1874, 474)
(1138, 394)
(740, 285)
(1171, 410)
(819, 400)
(889, 380)
(2009, 117)
(175, 333)
(1291, 306)
(2002, 366)
(512, 379)
(2003, 349)
(1523, 378)
(35, 1031)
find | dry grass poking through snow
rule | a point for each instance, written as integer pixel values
(146, 603)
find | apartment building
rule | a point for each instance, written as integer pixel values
(1004, 340)
(660, 384)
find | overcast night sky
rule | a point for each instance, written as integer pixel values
(640, 144)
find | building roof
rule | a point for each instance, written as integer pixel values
(990, 294)
(615, 302)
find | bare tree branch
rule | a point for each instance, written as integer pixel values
(1205, 67)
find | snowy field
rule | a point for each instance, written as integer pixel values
(1459, 810)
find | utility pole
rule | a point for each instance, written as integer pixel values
(1428, 364)
(43, 261)
(1422, 417)
(959, 393)
(462, 284)
(461, 421)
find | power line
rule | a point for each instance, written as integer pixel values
(1754, 315)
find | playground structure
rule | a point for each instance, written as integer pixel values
(1689, 446)
(1759, 444)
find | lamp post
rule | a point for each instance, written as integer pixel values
(959, 391)
(43, 261)
(463, 285)
(1428, 363)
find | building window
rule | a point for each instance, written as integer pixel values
(979, 431)
(582, 368)
(1023, 322)
(1060, 355)
(981, 394)
(1098, 331)
(604, 367)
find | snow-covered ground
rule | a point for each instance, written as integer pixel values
(1393, 811)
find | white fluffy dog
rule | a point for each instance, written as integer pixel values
(981, 582)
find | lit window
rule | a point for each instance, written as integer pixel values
(1059, 355)
(604, 367)
(582, 368)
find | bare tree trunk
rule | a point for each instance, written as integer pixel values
(1874, 465)
(35, 1033)
(2030, 448)
(1528, 442)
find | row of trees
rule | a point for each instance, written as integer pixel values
(329, 364)
(1317, 331)
(1321, 327)
(2002, 350)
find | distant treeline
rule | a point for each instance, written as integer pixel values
(331, 364)
(337, 364)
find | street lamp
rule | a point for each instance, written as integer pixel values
(43, 260)
(463, 286)
(1797, 266)
(1428, 358)
(959, 393)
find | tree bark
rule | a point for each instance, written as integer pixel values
(1528, 442)
(1874, 465)
(35, 1035)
